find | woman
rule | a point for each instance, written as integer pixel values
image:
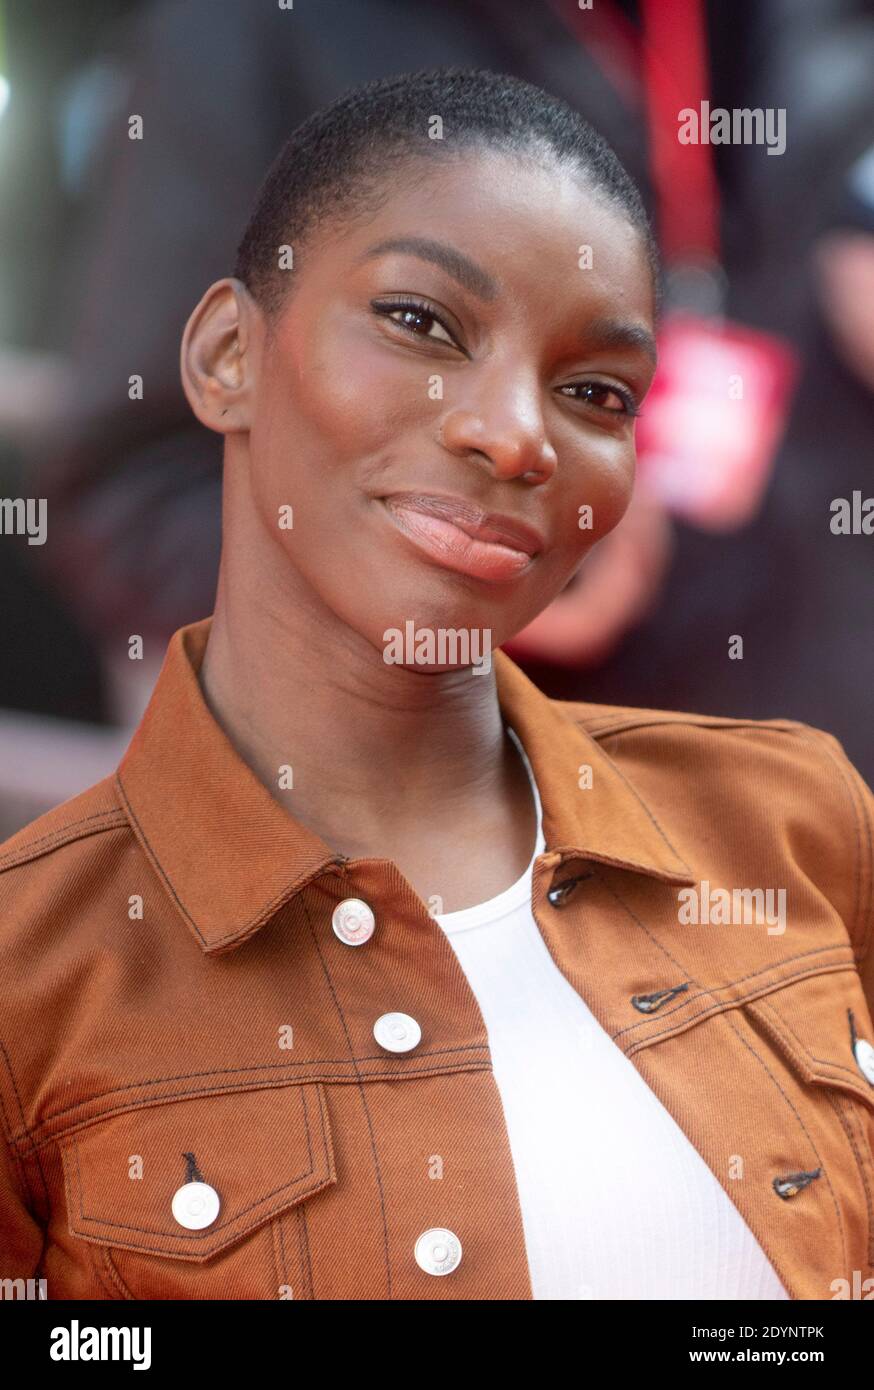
(374, 973)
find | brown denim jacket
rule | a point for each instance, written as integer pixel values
(177, 1007)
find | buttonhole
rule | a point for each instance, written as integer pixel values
(794, 1182)
(648, 1003)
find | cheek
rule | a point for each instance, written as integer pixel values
(590, 509)
(336, 392)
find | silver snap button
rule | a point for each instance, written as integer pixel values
(397, 1032)
(353, 921)
(438, 1251)
(865, 1057)
(196, 1205)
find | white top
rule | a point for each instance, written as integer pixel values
(616, 1202)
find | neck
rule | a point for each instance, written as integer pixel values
(375, 749)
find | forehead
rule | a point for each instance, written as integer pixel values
(538, 228)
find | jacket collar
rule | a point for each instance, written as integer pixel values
(229, 855)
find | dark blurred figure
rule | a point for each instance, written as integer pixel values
(219, 87)
(50, 666)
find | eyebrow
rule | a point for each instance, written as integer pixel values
(606, 332)
(622, 333)
(468, 274)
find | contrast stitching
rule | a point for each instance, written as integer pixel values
(22, 1175)
(304, 1242)
(717, 1004)
(275, 1253)
(147, 1104)
(621, 775)
(361, 1090)
(851, 790)
(263, 914)
(838, 968)
(664, 950)
(153, 859)
(280, 1258)
(796, 729)
(165, 1253)
(844, 1110)
(231, 1071)
(181, 1235)
(112, 1271)
(32, 1146)
(725, 1006)
(13, 1149)
(215, 1230)
(742, 979)
(32, 850)
(101, 1273)
(823, 1061)
(767, 1070)
(626, 725)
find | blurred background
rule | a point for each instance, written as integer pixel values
(762, 415)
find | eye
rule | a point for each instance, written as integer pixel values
(599, 393)
(416, 317)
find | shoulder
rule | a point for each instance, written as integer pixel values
(717, 744)
(790, 762)
(60, 857)
(91, 812)
(751, 783)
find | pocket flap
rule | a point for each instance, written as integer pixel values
(814, 1022)
(261, 1151)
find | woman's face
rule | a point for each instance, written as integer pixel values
(489, 366)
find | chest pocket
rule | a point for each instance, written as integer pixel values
(262, 1153)
(820, 1027)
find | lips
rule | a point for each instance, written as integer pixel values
(459, 535)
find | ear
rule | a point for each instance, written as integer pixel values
(217, 360)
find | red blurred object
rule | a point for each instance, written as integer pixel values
(714, 416)
(618, 583)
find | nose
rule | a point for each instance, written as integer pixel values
(503, 424)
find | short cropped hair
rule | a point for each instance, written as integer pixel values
(338, 164)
